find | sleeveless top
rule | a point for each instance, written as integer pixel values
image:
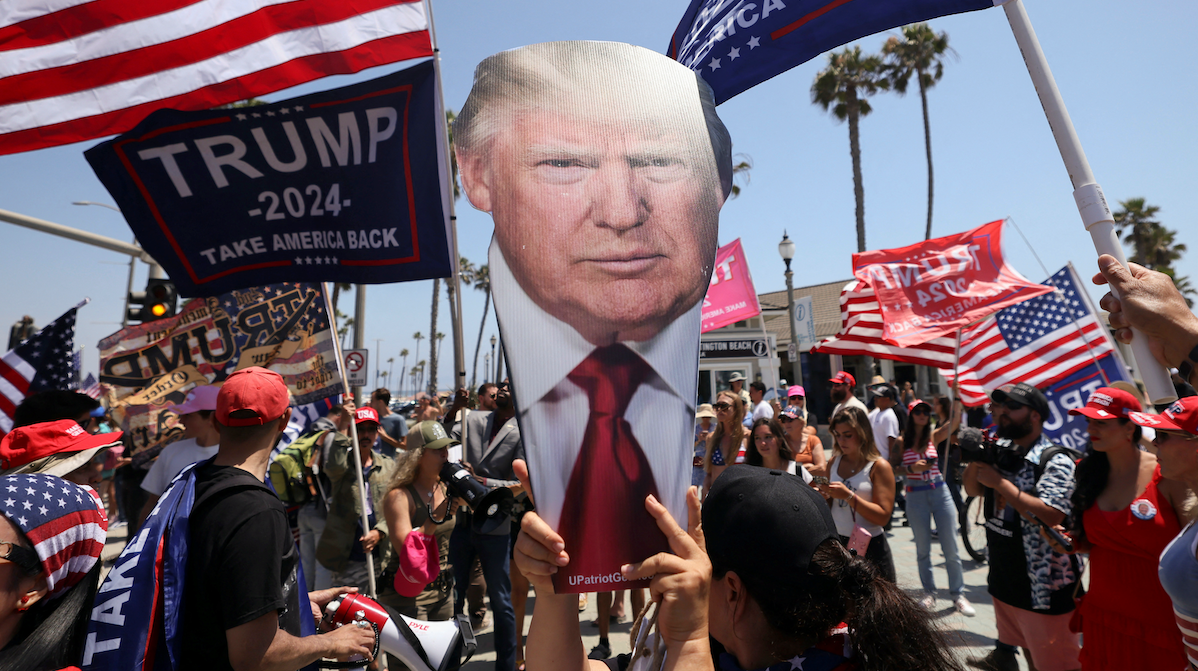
(931, 456)
(419, 516)
(1179, 577)
(1126, 615)
(860, 483)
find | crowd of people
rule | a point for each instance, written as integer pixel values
(766, 497)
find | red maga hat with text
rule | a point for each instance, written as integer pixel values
(255, 389)
(844, 378)
(1181, 416)
(27, 444)
(366, 414)
(1108, 403)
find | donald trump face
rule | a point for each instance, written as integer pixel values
(598, 163)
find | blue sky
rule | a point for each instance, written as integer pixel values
(1124, 70)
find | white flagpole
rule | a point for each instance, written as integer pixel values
(353, 436)
(1091, 203)
(443, 154)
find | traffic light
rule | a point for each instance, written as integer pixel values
(159, 300)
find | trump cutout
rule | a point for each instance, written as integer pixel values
(604, 167)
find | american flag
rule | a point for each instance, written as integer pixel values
(1038, 341)
(861, 333)
(64, 521)
(44, 362)
(73, 70)
(91, 387)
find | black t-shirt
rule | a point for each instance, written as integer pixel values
(241, 564)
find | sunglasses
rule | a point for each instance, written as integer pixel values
(23, 557)
(1012, 405)
(786, 420)
(922, 410)
(722, 406)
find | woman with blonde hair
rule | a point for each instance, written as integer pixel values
(860, 489)
(727, 443)
(419, 581)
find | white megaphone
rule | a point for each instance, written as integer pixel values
(423, 646)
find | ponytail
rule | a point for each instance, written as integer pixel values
(887, 628)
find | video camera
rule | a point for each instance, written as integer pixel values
(977, 445)
(491, 507)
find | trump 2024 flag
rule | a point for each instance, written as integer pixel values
(737, 45)
(339, 186)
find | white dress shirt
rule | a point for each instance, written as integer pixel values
(553, 411)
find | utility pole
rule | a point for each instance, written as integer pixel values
(359, 330)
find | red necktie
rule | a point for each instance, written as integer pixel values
(604, 520)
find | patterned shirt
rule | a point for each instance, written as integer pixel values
(1047, 570)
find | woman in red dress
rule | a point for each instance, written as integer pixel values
(1124, 515)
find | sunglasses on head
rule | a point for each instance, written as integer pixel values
(722, 406)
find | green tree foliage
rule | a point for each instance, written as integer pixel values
(843, 88)
(1152, 244)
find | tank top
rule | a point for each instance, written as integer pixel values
(930, 455)
(860, 483)
(1179, 577)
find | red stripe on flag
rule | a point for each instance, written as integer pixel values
(781, 32)
(14, 377)
(292, 73)
(82, 19)
(194, 48)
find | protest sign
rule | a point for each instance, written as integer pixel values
(151, 366)
(342, 186)
(935, 287)
(730, 297)
(604, 167)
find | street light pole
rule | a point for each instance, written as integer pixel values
(786, 249)
(495, 377)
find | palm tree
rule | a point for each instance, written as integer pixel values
(432, 340)
(418, 369)
(744, 163)
(920, 52)
(403, 353)
(417, 336)
(842, 89)
(1153, 245)
(432, 376)
(482, 282)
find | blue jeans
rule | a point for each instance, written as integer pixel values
(494, 553)
(921, 506)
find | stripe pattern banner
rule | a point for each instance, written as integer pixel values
(73, 70)
(1038, 341)
(861, 333)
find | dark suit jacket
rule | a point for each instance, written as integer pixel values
(490, 458)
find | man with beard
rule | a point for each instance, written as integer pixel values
(843, 384)
(1032, 586)
(492, 445)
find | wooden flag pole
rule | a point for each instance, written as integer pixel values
(1091, 203)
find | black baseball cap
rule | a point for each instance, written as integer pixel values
(1023, 394)
(758, 520)
(884, 390)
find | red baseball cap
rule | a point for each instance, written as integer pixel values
(844, 378)
(257, 389)
(1181, 416)
(27, 444)
(1108, 403)
(366, 414)
(918, 402)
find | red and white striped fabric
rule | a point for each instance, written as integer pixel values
(861, 333)
(64, 521)
(1189, 636)
(74, 70)
(1037, 341)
